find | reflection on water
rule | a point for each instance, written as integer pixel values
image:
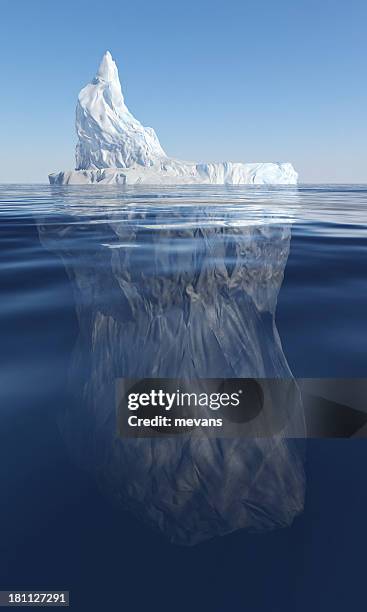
(181, 283)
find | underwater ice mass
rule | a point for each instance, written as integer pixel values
(192, 304)
(114, 147)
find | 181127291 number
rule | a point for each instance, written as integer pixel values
(34, 598)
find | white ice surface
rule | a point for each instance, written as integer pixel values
(114, 147)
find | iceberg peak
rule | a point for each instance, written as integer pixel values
(109, 136)
(107, 70)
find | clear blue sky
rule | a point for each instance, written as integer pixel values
(255, 80)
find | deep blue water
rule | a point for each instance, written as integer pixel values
(57, 529)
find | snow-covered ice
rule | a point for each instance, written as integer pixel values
(114, 147)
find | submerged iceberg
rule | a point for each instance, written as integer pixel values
(114, 147)
(190, 293)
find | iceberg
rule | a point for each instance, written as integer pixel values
(115, 148)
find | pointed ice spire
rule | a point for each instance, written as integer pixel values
(109, 136)
(107, 70)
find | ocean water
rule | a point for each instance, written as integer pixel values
(78, 265)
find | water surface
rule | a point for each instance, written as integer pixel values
(306, 256)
